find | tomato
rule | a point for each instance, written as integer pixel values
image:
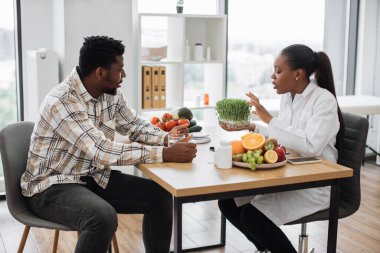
(155, 120)
(170, 124)
(183, 122)
(166, 117)
(160, 125)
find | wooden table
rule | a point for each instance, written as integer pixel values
(201, 181)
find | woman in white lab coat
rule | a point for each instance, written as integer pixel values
(310, 123)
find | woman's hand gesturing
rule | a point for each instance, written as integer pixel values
(260, 110)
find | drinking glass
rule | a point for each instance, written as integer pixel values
(174, 137)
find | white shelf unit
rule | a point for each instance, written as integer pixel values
(172, 30)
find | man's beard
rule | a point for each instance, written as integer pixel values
(110, 91)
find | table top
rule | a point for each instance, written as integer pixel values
(356, 104)
(202, 177)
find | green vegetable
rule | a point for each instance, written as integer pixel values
(192, 122)
(233, 110)
(195, 128)
(185, 113)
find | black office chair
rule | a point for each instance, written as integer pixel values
(14, 146)
(350, 155)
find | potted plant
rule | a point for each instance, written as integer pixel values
(233, 112)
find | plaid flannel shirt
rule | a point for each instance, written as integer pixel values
(74, 137)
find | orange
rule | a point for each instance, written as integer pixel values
(237, 147)
(254, 141)
(270, 156)
(247, 134)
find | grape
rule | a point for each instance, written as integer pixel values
(256, 155)
(245, 158)
(252, 166)
(252, 160)
(260, 160)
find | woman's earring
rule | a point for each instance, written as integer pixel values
(296, 78)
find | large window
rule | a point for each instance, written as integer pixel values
(258, 30)
(8, 84)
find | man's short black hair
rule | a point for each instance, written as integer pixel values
(98, 51)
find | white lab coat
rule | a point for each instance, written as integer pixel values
(308, 125)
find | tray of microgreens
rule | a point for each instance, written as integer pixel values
(233, 112)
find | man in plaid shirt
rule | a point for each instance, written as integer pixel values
(68, 178)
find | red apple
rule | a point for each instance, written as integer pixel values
(281, 153)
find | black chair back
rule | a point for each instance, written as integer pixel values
(351, 155)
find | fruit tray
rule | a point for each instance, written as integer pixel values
(261, 166)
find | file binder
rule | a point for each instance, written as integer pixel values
(147, 87)
(162, 87)
(156, 85)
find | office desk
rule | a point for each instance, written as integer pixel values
(201, 181)
(358, 104)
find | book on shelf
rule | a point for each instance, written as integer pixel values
(162, 86)
(155, 87)
(147, 87)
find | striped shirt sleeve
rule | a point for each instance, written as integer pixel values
(139, 130)
(71, 122)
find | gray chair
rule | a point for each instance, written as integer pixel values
(350, 155)
(14, 146)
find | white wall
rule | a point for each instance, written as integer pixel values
(368, 46)
(335, 40)
(61, 25)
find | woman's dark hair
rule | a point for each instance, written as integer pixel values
(302, 57)
(98, 51)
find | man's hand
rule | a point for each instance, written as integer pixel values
(181, 151)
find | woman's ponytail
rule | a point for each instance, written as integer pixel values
(325, 79)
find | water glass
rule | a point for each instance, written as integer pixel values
(174, 137)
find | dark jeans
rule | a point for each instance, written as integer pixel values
(92, 210)
(260, 230)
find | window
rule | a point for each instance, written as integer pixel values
(258, 30)
(8, 83)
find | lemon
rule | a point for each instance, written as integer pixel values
(270, 156)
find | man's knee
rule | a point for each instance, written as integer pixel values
(104, 219)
